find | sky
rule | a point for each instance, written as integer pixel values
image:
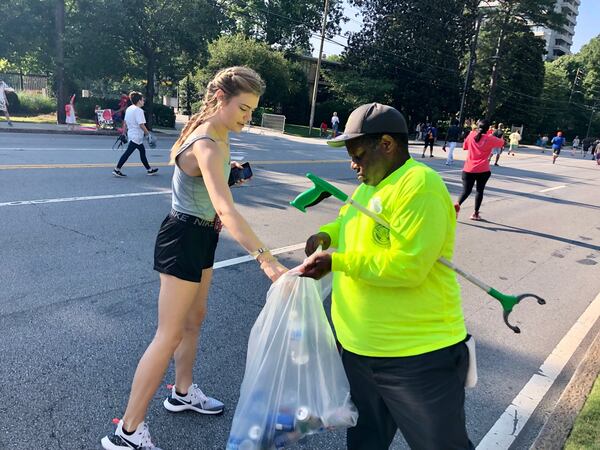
(587, 24)
(587, 27)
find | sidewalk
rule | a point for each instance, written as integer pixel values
(53, 128)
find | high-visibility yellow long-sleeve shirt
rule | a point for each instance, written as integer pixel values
(390, 296)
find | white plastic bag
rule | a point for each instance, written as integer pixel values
(294, 384)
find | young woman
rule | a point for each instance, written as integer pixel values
(479, 144)
(185, 248)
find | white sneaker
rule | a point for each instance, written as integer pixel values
(139, 440)
(195, 400)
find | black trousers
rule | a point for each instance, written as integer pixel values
(468, 180)
(423, 396)
(130, 149)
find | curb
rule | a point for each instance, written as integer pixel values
(50, 131)
(557, 428)
(74, 132)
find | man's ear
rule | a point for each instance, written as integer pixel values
(388, 143)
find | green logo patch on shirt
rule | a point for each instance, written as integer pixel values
(381, 235)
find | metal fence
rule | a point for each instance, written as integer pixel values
(29, 83)
(273, 121)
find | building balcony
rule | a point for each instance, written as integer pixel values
(570, 5)
(565, 37)
(569, 29)
(564, 48)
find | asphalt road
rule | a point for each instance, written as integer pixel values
(78, 296)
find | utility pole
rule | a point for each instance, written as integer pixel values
(575, 82)
(472, 59)
(318, 70)
(587, 134)
(60, 60)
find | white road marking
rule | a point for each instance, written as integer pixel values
(243, 259)
(513, 419)
(78, 149)
(553, 188)
(81, 199)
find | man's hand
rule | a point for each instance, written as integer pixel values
(316, 266)
(313, 242)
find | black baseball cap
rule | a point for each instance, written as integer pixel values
(372, 118)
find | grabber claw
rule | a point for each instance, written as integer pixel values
(509, 301)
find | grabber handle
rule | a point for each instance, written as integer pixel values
(323, 185)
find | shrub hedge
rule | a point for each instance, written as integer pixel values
(34, 104)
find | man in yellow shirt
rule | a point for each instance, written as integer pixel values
(514, 139)
(396, 312)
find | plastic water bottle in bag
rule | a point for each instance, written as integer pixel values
(298, 350)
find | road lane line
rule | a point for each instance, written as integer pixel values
(162, 164)
(553, 188)
(513, 419)
(243, 259)
(81, 199)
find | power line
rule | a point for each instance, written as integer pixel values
(419, 74)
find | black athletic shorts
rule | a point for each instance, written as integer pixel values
(556, 151)
(185, 245)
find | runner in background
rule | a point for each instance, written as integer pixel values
(557, 144)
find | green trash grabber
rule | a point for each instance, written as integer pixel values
(322, 189)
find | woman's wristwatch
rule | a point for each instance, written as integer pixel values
(263, 254)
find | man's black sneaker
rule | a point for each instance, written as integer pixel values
(118, 173)
(152, 171)
(138, 440)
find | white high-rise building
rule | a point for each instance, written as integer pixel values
(559, 42)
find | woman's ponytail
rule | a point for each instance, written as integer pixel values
(482, 127)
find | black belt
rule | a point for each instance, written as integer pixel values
(192, 220)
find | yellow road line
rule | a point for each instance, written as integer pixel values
(111, 165)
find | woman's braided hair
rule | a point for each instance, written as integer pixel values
(232, 81)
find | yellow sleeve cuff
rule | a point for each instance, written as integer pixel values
(338, 262)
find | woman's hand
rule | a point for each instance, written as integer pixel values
(237, 165)
(273, 268)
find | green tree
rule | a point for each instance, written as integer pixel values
(416, 46)
(555, 112)
(521, 81)
(586, 99)
(27, 51)
(150, 40)
(356, 90)
(188, 95)
(286, 24)
(508, 17)
(238, 50)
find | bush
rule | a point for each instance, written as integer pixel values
(164, 116)
(85, 107)
(34, 104)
